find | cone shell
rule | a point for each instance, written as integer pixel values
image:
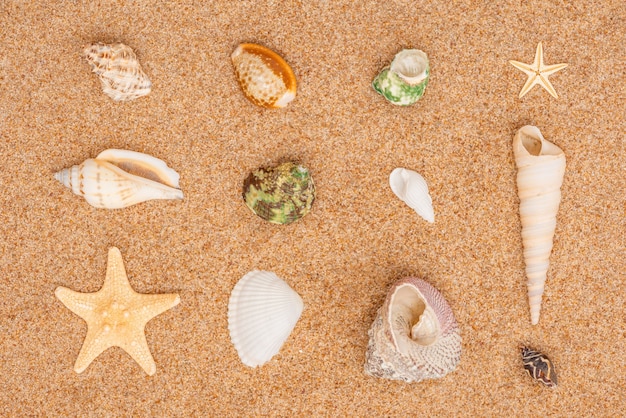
(404, 81)
(119, 178)
(281, 194)
(119, 71)
(412, 189)
(262, 312)
(414, 336)
(540, 171)
(265, 78)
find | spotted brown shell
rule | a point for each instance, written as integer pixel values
(281, 194)
(539, 367)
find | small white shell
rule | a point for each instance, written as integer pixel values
(412, 189)
(119, 178)
(414, 336)
(262, 312)
(411, 65)
(119, 70)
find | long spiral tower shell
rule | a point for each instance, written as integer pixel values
(540, 170)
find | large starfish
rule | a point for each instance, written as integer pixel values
(116, 315)
(538, 73)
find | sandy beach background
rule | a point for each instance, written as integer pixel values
(358, 239)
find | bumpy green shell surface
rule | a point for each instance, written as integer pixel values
(281, 194)
(396, 90)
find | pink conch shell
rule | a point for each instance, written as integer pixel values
(414, 336)
(540, 170)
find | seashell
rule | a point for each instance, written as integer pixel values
(119, 71)
(404, 82)
(118, 178)
(539, 367)
(414, 335)
(412, 189)
(265, 78)
(281, 194)
(540, 170)
(262, 312)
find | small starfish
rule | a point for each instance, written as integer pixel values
(538, 73)
(116, 315)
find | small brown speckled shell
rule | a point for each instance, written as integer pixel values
(265, 78)
(539, 367)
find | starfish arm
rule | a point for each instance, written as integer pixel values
(82, 304)
(545, 83)
(137, 348)
(530, 83)
(538, 63)
(551, 69)
(523, 67)
(116, 278)
(149, 306)
(95, 343)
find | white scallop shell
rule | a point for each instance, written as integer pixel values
(412, 189)
(540, 170)
(119, 70)
(414, 336)
(262, 312)
(119, 178)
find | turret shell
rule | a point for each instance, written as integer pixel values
(119, 178)
(281, 194)
(120, 73)
(540, 171)
(264, 76)
(414, 336)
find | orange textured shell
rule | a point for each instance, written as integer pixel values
(265, 78)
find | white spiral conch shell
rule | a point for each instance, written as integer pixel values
(540, 170)
(119, 71)
(411, 188)
(262, 312)
(118, 178)
(414, 336)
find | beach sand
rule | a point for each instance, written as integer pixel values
(358, 239)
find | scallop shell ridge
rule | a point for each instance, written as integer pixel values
(262, 312)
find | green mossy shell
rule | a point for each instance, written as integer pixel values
(281, 194)
(396, 90)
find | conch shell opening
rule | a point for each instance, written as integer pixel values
(118, 178)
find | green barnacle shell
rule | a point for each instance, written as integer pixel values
(281, 194)
(404, 82)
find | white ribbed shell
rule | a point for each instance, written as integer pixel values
(540, 171)
(411, 65)
(414, 336)
(262, 312)
(412, 189)
(120, 73)
(118, 178)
